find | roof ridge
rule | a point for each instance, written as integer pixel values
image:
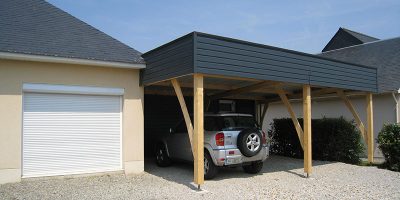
(348, 30)
(367, 43)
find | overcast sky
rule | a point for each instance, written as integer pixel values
(299, 25)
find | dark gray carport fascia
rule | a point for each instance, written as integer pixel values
(215, 55)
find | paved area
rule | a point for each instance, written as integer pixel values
(281, 178)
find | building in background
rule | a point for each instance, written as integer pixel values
(358, 48)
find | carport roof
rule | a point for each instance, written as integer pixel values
(220, 56)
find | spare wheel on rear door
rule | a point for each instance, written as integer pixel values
(249, 142)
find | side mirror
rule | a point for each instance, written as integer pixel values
(171, 130)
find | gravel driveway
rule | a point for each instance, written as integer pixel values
(281, 178)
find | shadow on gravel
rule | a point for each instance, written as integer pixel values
(182, 173)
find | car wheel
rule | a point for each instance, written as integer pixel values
(162, 158)
(210, 170)
(249, 142)
(253, 168)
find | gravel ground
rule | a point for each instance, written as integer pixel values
(281, 178)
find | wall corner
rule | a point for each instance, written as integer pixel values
(134, 167)
(10, 175)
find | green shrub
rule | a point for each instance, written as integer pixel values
(333, 139)
(389, 143)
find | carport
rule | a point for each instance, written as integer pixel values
(210, 67)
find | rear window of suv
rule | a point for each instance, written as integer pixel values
(229, 123)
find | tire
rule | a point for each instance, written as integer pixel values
(162, 158)
(210, 170)
(249, 142)
(253, 168)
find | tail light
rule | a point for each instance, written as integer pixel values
(264, 138)
(219, 139)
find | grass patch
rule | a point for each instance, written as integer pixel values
(368, 164)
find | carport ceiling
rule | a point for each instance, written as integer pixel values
(224, 87)
(228, 88)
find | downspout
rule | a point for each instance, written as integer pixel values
(397, 106)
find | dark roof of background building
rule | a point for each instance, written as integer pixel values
(361, 36)
(36, 27)
(345, 38)
(382, 54)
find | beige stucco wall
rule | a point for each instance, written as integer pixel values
(14, 73)
(384, 111)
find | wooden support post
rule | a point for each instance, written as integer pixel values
(184, 109)
(350, 106)
(198, 129)
(296, 123)
(307, 129)
(370, 128)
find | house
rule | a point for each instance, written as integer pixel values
(354, 47)
(59, 74)
(72, 97)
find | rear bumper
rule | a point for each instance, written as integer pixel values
(229, 157)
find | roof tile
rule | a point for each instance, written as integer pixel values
(38, 28)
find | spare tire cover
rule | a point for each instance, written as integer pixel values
(249, 142)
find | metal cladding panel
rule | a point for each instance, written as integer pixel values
(171, 60)
(70, 134)
(215, 55)
(224, 56)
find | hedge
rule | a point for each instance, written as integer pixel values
(389, 143)
(333, 139)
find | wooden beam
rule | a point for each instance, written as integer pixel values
(170, 92)
(323, 91)
(214, 86)
(164, 80)
(289, 107)
(370, 128)
(230, 77)
(327, 96)
(184, 109)
(165, 91)
(353, 111)
(270, 89)
(248, 97)
(264, 112)
(299, 95)
(241, 90)
(198, 130)
(307, 129)
(315, 93)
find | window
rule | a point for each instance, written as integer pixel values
(210, 124)
(236, 122)
(227, 106)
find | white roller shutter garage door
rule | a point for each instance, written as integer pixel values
(70, 134)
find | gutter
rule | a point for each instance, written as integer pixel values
(75, 61)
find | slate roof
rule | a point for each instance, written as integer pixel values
(360, 36)
(36, 27)
(382, 54)
(345, 38)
